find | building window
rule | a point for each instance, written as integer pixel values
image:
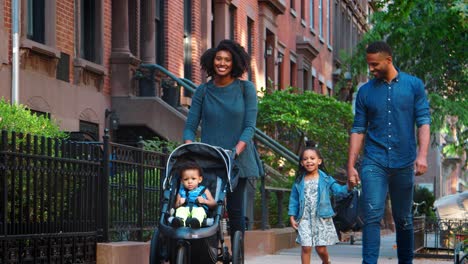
(159, 35)
(232, 22)
(293, 4)
(188, 39)
(133, 27)
(320, 18)
(311, 11)
(292, 74)
(36, 20)
(63, 67)
(280, 70)
(92, 129)
(40, 113)
(250, 41)
(303, 10)
(90, 29)
(312, 84)
(305, 79)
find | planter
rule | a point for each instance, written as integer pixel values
(170, 93)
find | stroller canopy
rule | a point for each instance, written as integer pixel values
(206, 156)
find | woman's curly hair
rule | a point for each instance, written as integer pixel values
(240, 58)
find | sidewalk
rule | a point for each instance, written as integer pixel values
(342, 253)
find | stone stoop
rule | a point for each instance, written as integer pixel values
(257, 243)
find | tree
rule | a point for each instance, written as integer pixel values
(293, 116)
(429, 41)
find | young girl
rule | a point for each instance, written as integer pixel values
(310, 208)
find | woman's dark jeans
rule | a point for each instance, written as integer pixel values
(235, 208)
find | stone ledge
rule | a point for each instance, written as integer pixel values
(122, 252)
(257, 243)
(265, 242)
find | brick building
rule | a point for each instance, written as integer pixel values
(78, 59)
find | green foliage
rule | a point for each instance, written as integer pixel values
(424, 195)
(19, 119)
(160, 145)
(429, 39)
(319, 118)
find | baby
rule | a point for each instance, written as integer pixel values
(193, 199)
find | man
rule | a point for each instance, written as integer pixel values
(387, 109)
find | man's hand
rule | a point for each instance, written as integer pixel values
(420, 166)
(353, 177)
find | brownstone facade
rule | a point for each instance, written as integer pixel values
(79, 58)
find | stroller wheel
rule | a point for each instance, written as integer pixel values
(156, 248)
(181, 255)
(238, 248)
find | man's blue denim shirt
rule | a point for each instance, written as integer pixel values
(387, 114)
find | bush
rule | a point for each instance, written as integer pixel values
(20, 119)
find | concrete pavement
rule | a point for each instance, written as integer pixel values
(342, 253)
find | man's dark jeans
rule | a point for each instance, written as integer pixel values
(376, 180)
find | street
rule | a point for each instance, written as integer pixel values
(342, 253)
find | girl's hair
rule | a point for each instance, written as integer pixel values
(301, 170)
(240, 58)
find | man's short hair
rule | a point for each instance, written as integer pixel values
(379, 46)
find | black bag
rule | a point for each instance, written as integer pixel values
(347, 212)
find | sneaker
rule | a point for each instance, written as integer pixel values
(177, 222)
(194, 223)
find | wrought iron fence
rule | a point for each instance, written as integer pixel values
(442, 236)
(49, 194)
(134, 194)
(59, 198)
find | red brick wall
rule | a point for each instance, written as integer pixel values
(107, 43)
(174, 28)
(65, 30)
(197, 41)
(7, 21)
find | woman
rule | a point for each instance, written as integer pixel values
(227, 110)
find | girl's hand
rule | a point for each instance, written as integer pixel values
(294, 224)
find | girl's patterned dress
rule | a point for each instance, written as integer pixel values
(313, 230)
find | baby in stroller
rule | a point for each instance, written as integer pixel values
(195, 236)
(193, 200)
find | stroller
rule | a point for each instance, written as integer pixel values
(206, 244)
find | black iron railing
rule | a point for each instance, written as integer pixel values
(442, 237)
(134, 190)
(50, 200)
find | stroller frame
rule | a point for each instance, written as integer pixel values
(178, 245)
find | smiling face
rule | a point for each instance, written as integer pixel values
(310, 161)
(191, 178)
(379, 64)
(223, 63)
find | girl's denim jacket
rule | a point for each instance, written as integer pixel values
(326, 185)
